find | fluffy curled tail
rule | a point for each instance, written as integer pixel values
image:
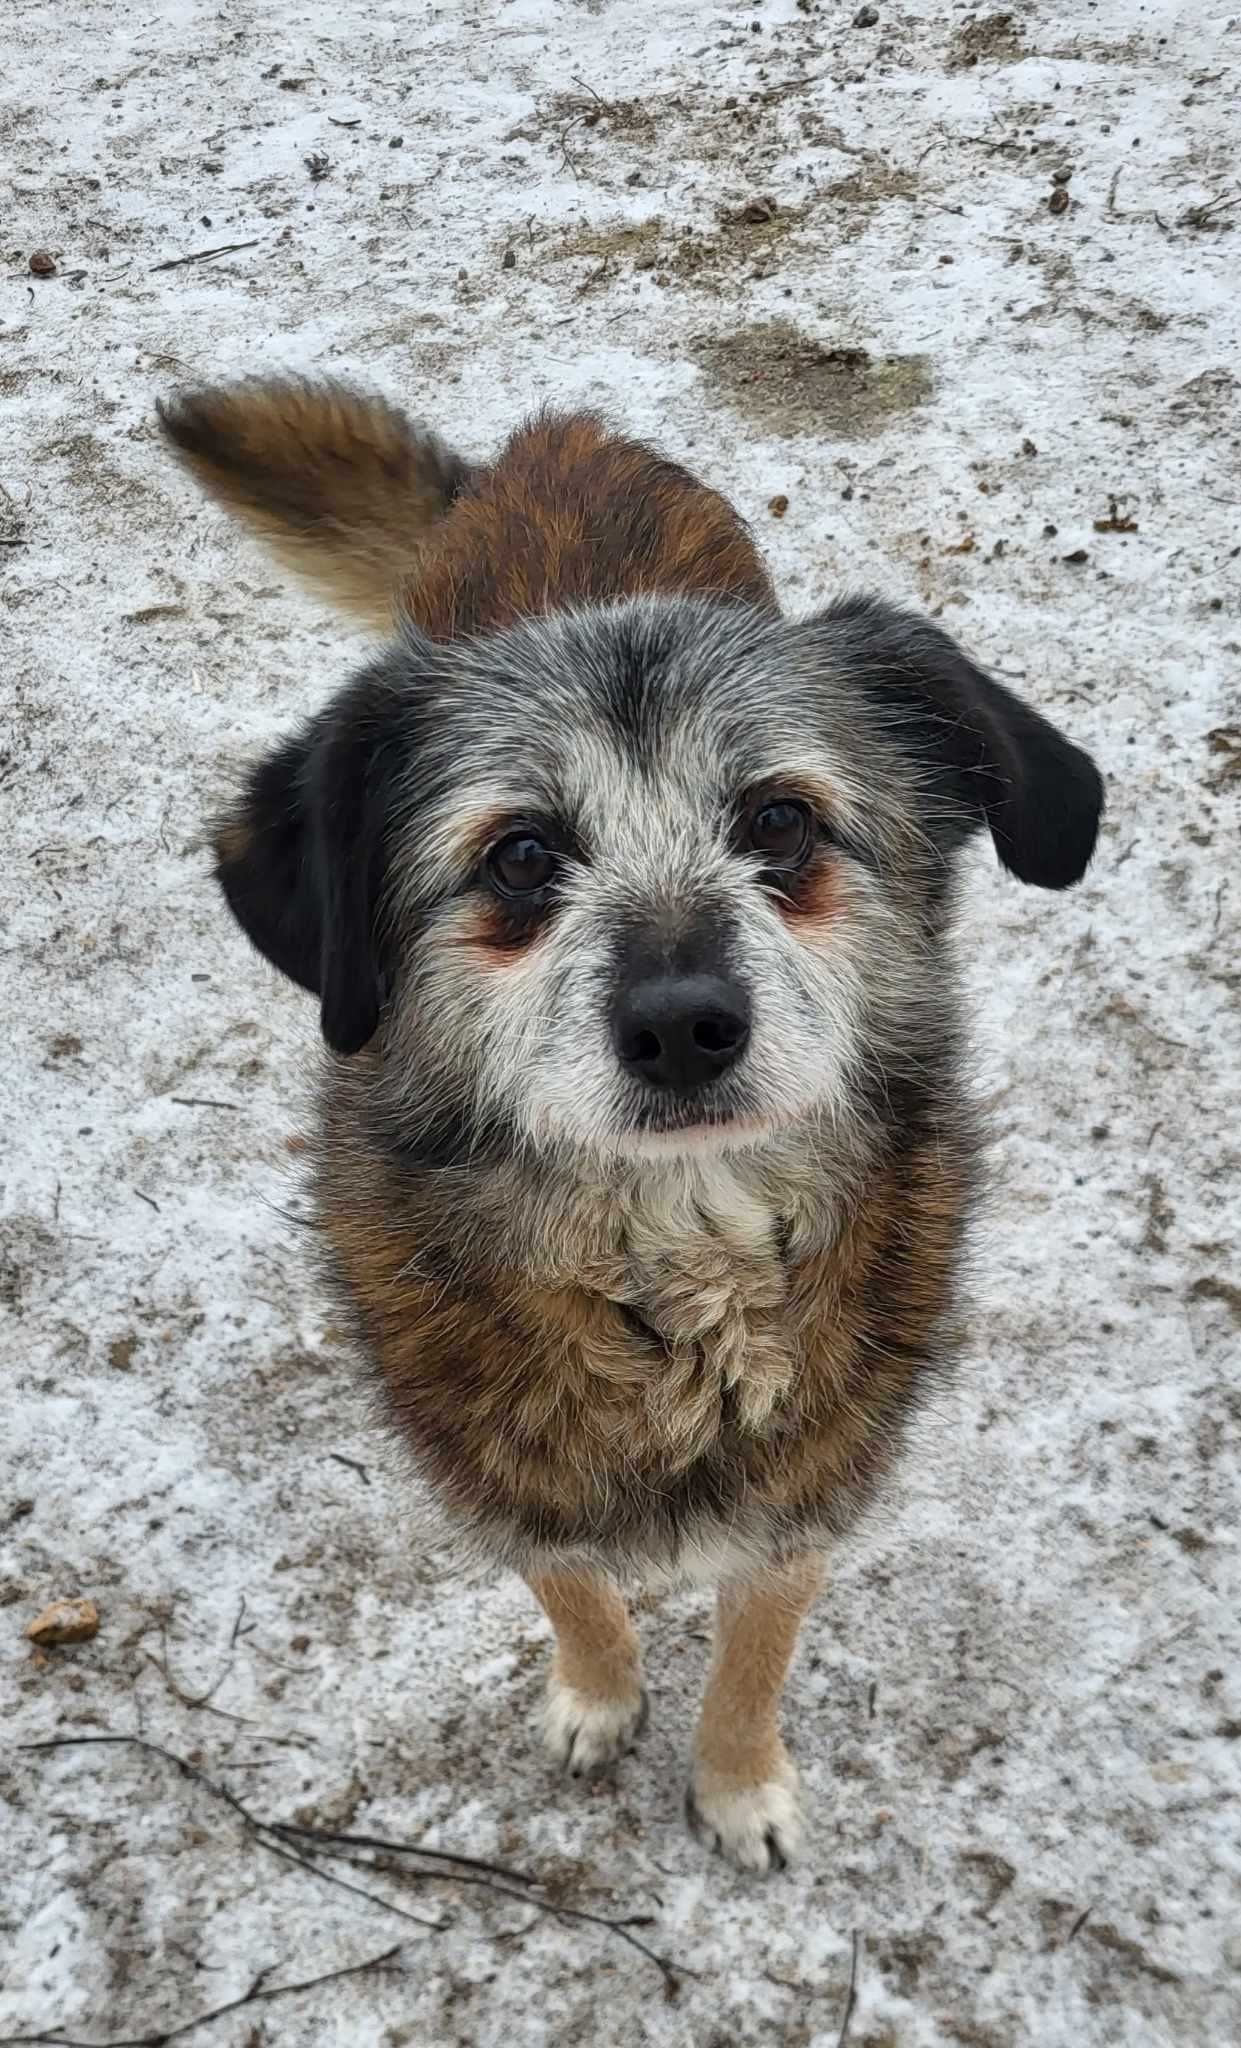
(341, 486)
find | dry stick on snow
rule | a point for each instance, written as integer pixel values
(1200, 216)
(241, 1615)
(324, 1840)
(257, 1992)
(306, 1862)
(339, 1458)
(191, 1699)
(253, 1820)
(850, 1995)
(202, 255)
(1078, 1924)
(281, 1837)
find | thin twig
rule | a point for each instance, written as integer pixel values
(670, 1973)
(203, 255)
(606, 105)
(850, 1996)
(187, 1769)
(306, 1862)
(191, 1699)
(283, 1829)
(595, 277)
(204, 1102)
(280, 1836)
(258, 1991)
(339, 1458)
(1198, 216)
(331, 1839)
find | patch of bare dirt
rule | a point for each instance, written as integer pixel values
(790, 384)
(990, 38)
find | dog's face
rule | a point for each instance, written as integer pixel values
(646, 878)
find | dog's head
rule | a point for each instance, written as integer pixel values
(647, 876)
(640, 876)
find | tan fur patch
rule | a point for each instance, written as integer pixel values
(757, 1624)
(572, 514)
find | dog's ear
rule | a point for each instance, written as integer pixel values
(300, 855)
(339, 484)
(984, 757)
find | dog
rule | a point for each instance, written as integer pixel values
(644, 1153)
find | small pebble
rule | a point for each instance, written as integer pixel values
(778, 506)
(866, 17)
(43, 264)
(64, 1621)
(1059, 201)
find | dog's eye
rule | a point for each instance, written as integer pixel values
(783, 831)
(521, 865)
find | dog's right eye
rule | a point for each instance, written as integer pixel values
(521, 865)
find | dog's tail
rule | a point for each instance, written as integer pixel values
(341, 486)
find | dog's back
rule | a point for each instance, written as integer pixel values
(571, 514)
(381, 517)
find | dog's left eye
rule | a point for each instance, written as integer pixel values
(521, 865)
(782, 831)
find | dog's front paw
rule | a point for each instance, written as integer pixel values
(757, 1826)
(585, 1734)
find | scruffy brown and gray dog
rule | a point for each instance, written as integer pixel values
(644, 1155)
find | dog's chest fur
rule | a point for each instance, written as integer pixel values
(615, 1365)
(695, 1256)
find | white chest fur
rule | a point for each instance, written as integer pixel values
(695, 1254)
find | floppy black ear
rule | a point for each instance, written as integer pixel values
(300, 857)
(990, 758)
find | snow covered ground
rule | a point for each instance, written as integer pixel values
(1018, 1711)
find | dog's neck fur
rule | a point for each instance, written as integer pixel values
(696, 1251)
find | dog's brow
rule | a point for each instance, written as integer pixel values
(458, 833)
(818, 790)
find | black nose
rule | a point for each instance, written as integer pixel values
(681, 1030)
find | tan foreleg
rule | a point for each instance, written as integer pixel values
(596, 1705)
(742, 1797)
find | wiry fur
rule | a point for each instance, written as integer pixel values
(340, 486)
(622, 1327)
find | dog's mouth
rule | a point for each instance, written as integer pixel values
(692, 1123)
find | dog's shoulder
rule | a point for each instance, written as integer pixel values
(572, 514)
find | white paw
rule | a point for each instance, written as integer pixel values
(585, 1734)
(757, 1827)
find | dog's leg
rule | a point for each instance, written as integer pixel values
(596, 1705)
(742, 1797)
